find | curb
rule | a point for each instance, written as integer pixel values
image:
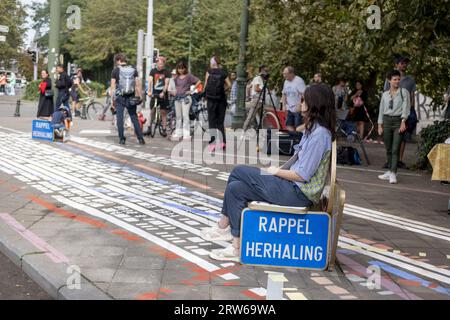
(50, 276)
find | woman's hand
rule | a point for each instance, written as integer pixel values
(273, 170)
(403, 127)
(380, 129)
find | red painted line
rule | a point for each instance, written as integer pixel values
(252, 295)
(39, 243)
(127, 236)
(148, 296)
(67, 214)
(410, 283)
(156, 171)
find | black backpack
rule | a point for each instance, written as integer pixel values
(215, 88)
(348, 156)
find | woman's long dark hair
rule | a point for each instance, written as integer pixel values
(320, 101)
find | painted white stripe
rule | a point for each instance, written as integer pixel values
(43, 173)
(82, 132)
(413, 265)
(7, 171)
(156, 201)
(396, 218)
(179, 196)
(158, 241)
(398, 225)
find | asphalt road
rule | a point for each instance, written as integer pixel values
(16, 285)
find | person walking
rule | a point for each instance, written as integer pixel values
(395, 108)
(126, 90)
(409, 83)
(158, 84)
(183, 101)
(293, 91)
(46, 106)
(63, 84)
(358, 109)
(216, 83)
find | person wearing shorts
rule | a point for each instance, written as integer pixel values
(159, 91)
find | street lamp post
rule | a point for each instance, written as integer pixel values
(55, 27)
(239, 117)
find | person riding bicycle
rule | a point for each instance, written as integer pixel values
(126, 92)
(158, 91)
(183, 101)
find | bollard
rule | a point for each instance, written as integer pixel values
(17, 114)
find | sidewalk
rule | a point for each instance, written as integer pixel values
(128, 218)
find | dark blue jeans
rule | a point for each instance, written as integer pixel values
(121, 104)
(294, 119)
(248, 184)
(63, 100)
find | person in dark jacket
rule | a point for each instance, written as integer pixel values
(46, 106)
(216, 83)
(63, 84)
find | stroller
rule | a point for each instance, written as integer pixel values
(347, 128)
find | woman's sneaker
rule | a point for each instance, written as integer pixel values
(386, 176)
(227, 254)
(393, 178)
(216, 234)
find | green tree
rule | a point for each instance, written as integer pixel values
(13, 16)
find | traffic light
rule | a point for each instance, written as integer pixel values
(34, 55)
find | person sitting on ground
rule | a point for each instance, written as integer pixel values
(59, 121)
(300, 186)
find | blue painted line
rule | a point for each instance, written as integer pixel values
(408, 276)
(192, 210)
(346, 251)
(125, 168)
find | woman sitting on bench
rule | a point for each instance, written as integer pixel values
(300, 186)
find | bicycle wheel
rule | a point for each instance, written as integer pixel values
(270, 121)
(171, 123)
(154, 125)
(94, 110)
(202, 116)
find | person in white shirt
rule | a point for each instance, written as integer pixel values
(293, 91)
(256, 88)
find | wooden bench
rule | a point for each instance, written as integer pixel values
(332, 202)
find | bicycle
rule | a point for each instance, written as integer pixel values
(199, 113)
(156, 123)
(91, 109)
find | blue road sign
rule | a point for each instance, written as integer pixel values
(42, 130)
(285, 240)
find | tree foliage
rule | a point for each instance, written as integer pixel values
(12, 15)
(329, 36)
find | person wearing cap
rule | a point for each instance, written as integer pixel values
(409, 83)
(59, 120)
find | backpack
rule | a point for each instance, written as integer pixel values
(348, 156)
(215, 86)
(127, 81)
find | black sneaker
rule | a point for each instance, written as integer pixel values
(122, 141)
(77, 114)
(141, 142)
(164, 133)
(402, 165)
(386, 166)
